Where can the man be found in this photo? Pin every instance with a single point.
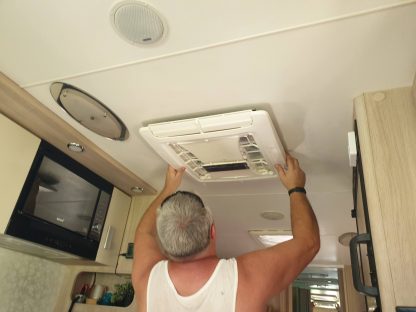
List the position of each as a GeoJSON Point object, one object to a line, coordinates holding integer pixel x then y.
{"type": "Point", "coordinates": [188, 276]}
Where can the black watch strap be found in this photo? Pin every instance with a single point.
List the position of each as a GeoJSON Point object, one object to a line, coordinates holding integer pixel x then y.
{"type": "Point", "coordinates": [297, 189]}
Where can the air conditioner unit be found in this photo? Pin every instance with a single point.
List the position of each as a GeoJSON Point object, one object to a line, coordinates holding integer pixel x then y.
{"type": "Point", "coordinates": [233, 146]}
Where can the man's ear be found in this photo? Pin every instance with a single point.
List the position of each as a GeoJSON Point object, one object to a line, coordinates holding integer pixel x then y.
{"type": "Point", "coordinates": [212, 232]}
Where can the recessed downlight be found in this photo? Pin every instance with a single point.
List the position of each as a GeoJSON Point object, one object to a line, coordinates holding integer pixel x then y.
{"type": "Point", "coordinates": [75, 147]}
{"type": "Point", "coordinates": [272, 215]}
{"type": "Point", "coordinates": [137, 189]}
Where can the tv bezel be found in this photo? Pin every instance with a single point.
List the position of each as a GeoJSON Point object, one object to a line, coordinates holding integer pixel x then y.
{"type": "Point", "coordinates": [37, 230]}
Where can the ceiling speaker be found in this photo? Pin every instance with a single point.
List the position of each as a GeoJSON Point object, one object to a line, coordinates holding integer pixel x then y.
{"type": "Point", "coordinates": [137, 22]}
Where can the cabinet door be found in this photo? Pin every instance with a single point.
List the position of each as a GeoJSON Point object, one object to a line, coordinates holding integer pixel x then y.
{"type": "Point", "coordinates": [138, 207]}
{"type": "Point", "coordinates": [392, 119]}
{"type": "Point", "coordinates": [114, 226]}
{"type": "Point", "coordinates": [387, 122]}
{"type": "Point", "coordinates": [19, 147]}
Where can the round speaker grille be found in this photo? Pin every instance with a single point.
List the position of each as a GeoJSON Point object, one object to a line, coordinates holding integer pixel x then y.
{"type": "Point", "coordinates": [137, 22]}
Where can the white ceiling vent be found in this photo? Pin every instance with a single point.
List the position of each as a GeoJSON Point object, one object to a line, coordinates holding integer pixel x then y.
{"type": "Point", "coordinates": [242, 145]}
{"type": "Point", "coordinates": [137, 22]}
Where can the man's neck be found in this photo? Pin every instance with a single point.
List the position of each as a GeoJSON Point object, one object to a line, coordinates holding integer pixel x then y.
{"type": "Point", "coordinates": [207, 253]}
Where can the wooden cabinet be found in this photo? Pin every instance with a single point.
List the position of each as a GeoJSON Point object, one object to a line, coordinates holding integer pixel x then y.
{"type": "Point", "coordinates": [139, 205]}
{"type": "Point", "coordinates": [387, 129]}
{"type": "Point", "coordinates": [18, 149]}
{"type": "Point", "coordinates": [113, 231]}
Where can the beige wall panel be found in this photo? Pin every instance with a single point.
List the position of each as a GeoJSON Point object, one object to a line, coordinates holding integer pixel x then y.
{"type": "Point", "coordinates": [373, 201]}
{"type": "Point", "coordinates": [354, 301]}
{"type": "Point", "coordinates": [18, 150]}
{"type": "Point", "coordinates": [139, 205]}
{"type": "Point", "coordinates": [414, 90]}
{"type": "Point", "coordinates": [114, 227]}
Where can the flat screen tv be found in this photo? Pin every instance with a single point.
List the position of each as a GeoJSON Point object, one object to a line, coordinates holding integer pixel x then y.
{"type": "Point", "coordinates": [62, 204]}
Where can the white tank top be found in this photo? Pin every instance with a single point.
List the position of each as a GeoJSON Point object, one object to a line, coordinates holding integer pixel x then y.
{"type": "Point", "coordinates": [218, 293]}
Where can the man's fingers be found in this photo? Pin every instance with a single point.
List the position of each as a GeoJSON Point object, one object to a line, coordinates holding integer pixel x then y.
{"type": "Point", "coordinates": [173, 173]}
{"type": "Point", "coordinates": [180, 171]}
{"type": "Point", "coordinates": [290, 161]}
{"type": "Point", "coordinates": [296, 162]}
{"type": "Point", "coordinates": [280, 170]}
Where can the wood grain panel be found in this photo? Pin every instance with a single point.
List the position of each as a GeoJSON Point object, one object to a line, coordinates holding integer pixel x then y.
{"type": "Point", "coordinates": [414, 90]}
{"type": "Point", "coordinates": [342, 294]}
{"type": "Point", "coordinates": [392, 123]}
{"type": "Point", "coordinates": [28, 112]}
{"type": "Point", "coordinates": [377, 231]}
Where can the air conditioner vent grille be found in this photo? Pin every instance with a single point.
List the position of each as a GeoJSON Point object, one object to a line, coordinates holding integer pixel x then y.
{"type": "Point", "coordinates": [241, 145]}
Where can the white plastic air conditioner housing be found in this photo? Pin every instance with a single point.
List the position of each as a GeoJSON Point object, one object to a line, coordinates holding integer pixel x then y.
{"type": "Point", "coordinates": [233, 146]}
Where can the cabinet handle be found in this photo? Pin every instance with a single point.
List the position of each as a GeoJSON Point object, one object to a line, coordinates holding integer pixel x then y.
{"type": "Point", "coordinates": [355, 264]}
{"type": "Point", "coordinates": [108, 237]}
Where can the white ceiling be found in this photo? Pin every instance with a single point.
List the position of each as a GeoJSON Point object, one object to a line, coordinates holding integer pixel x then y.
{"type": "Point", "coordinates": [302, 61]}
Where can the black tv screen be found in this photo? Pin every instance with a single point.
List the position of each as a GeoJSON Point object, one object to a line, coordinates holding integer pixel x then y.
{"type": "Point", "coordinates": [62, 204]}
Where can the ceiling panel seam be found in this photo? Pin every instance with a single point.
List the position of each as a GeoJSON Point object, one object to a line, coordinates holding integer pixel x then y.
{"type": "Point", "coordinates": [223, 43]}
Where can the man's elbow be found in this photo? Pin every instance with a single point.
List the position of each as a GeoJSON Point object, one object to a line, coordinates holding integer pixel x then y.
{"type": "Point", "coordinates": [312, 246]}
{"type": "Point", "coordinates": [315, 245]}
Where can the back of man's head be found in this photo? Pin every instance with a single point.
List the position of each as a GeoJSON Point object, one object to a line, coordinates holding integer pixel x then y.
{"type": "Point", "coordinates": [183, 225]}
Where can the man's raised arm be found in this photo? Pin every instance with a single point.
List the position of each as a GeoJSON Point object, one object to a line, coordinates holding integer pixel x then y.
{"type": "Point", "coordinates": [146, 249]}
{"type": "Point", "coordinates": [266, 272]}
{"type": "Point", "coordinates": [304, 225]}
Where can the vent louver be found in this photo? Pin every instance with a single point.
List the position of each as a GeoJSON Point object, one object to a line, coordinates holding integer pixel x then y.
{"type": "Point", "coordinates": [242, 145]}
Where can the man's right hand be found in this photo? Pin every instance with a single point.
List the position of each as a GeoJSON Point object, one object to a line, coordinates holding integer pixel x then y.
{"type": "Point", "coordinates": [173, 180]}
{"type": "Point", "coordinates": [293, 176]}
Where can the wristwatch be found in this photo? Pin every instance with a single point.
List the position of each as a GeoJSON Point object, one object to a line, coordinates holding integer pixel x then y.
{"type": "Point", "coordinates": [297, 189]}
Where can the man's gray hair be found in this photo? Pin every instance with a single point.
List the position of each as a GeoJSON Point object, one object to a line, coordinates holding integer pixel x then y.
{"type": "Point", "coordinates": [183, 225]}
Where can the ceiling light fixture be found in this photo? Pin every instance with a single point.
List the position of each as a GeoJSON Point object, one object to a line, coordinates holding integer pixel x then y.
{"type": "Point", "coordinates": [75, 147]}
{"type": "Point", "coordinates": [272, 215]}
{"type": "Point", "coordinates": [137, 189]}
{"type": "Point", "coordinates": [89, 111]}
